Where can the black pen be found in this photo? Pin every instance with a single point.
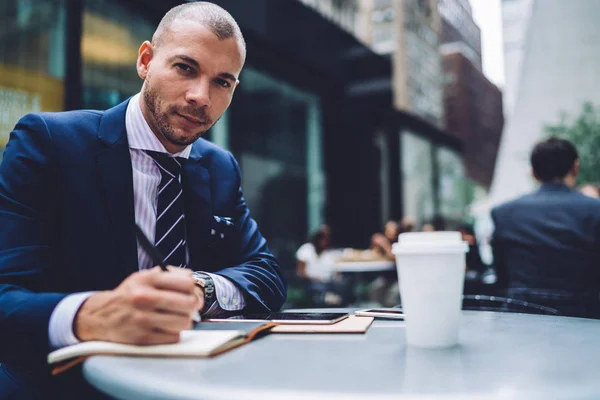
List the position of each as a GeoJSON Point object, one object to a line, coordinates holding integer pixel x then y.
{"type": "Point", "coordinates": [157, 258]}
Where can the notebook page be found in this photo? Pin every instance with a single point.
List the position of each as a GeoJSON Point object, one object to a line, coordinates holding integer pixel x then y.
{"type": "Point", "coordinates": [192, 343]}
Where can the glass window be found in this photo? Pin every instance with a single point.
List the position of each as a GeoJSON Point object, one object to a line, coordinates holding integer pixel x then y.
{"type": "Point", "coordinates": [32, 60]}
{"type": "Point", "coordinates": [112, 35]}
{"type": "Point", "coordinates": [452, 185]}
{"type": "Point", "coordinates": [275, 133]}
{"type": "Point", "coordinates": [417, 177]}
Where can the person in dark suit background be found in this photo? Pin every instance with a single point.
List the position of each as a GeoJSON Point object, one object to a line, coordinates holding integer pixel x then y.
{"type": "Point", "coordinates": [475, 266]}
{"type": "Point", "coordinates": [73, 186]}
{"type": "Point", "coordinates": [546, 244]}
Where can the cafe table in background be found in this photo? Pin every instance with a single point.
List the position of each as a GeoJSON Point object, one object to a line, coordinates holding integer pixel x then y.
{"type": "Point", "coordinates": [361, 267]}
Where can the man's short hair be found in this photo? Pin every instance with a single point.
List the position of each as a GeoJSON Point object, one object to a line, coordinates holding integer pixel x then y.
{"type": "Point", "coordinates": [213, 17]}
{"type": "Point", "coordinates": [553, 158]}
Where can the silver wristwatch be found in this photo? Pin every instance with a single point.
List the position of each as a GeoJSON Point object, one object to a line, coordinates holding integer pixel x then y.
{"type": "Point", "coordinates": [204, 280]}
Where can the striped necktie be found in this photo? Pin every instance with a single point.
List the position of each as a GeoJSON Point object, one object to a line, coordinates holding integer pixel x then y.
{"type": "Point", "coordinates": [169, 237]}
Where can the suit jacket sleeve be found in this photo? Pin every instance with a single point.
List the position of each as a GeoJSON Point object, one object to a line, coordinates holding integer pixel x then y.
{"type": "Point", "coordinates": [27, 242]}
{"type": "Point", "coordinates": [256, 271]}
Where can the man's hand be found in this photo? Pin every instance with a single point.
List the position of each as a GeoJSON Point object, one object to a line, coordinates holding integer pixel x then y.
{"type": "Point", "coordinates": [149, 307]}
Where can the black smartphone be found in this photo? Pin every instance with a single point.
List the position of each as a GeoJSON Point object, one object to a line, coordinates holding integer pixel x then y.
{"type": "Point", "coordinates": [389, 313]}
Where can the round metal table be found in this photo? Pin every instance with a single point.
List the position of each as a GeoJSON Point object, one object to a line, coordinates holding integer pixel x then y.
{"type": "Point", "coordinates": [501, 356]}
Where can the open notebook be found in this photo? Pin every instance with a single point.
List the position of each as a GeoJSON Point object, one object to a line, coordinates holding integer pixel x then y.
{"type": "Point", "coordinates": [206, 340]}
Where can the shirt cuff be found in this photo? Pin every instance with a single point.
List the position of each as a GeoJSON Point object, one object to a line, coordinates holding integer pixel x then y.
{"type": "Point", "coordinates": [60, 327]}
{"type": "Point", "coordinates": [229, 297]}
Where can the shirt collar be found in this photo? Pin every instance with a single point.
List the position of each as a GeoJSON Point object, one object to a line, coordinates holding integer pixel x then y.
{"type": "Point", "coordinates": [139, 134]}
{"type": "Point", "coordinates": [554, 186]}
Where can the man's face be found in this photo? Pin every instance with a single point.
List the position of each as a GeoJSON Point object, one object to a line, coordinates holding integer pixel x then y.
{"type": "Point", "coordinates": [189, 80]}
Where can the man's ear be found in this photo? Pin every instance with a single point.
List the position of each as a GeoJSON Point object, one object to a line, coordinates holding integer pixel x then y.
{"type": "Point", "coordinates": [145, 54]}
{"type": "Point", "coordinates": [575, 169]}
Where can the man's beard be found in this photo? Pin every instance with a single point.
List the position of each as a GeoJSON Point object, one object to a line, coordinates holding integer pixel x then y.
{"type": "Point", "coordinates": [153, 103]}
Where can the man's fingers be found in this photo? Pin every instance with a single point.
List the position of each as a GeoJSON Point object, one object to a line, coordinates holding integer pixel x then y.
{"type": "Point", "coordinates": [177, 303]}
{"type": "Point", "coordinates": [150, 299]}
{"type": "Point", "coordinates": [178, 280]}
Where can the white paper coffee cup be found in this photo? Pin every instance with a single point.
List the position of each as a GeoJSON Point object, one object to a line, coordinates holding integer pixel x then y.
{"type": "Point", "coordinates": [431, 271]}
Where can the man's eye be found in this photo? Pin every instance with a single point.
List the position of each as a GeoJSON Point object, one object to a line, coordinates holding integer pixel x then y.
{"type": "Point", "coordinates": [184, 67]}
{"type": "Point", "coordinates": [223, 82]}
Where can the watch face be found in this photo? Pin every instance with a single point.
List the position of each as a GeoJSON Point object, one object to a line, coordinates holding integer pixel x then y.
{"type": "Point", "coordinates": [200, 282]}
{"type": "Point", "coordinates": [205, 283]}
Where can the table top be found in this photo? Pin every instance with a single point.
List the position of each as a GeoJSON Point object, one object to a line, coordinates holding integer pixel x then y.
{"type": "Point", "coordinates": [364, 266]}
{"type": "Point", "coordinates": [500, 356]}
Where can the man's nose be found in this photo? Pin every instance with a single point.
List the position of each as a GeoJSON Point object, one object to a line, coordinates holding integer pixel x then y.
{"type": "Point", "coordinates": [199, 93]}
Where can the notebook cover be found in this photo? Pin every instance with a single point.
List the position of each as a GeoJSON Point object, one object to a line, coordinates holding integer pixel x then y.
{"type": "Point", "coordinates": [250, 334]}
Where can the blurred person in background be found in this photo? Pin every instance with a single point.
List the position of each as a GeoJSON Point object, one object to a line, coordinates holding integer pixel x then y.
{"type": "Point", "coordinates": [314, 258]}
{"type": "Point", "coordinates": [384, 289]}
{"type": "Point", "coordinates": [437, 224]}
{"type": "Point", "coordinates": [407, 224]}
{"type": "Point", "coordinates": [590, 190]}
{"type": "Point", "coordinates": [381, 243]}
{"type": "Point", "coordinates": [546, 244]}
{"type": "Point", "coordinates": [314, 264]}
{"type": "Point", "coordinates": [474, 265]}
{"type": "Point", "coordinates": [427, 228]}
{"type": "Point", "coordinates": [473, 257]}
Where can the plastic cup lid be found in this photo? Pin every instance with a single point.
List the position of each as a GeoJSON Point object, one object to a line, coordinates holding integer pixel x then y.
{"type": "Point", "coordinates": [429, 242]}
{"type": "Point", "coordinates": [430, 237]}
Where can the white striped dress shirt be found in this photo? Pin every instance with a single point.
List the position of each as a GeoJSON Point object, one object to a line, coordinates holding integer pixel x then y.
{"type": "Point", "coordinates": [146, 178]}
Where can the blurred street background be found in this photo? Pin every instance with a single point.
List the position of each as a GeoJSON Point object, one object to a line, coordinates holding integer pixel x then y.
{"type": "Point", "coordinates": [350, 113]}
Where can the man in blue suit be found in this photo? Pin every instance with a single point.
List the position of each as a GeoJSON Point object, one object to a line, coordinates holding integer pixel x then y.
{"type": "Point", "coordinates": [74, 185]}
{"type": "Point", "coordinates": [547, 244]}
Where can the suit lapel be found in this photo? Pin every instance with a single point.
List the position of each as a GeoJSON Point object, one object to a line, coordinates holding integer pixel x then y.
{"type": "Point", "coordinates": [198, 209]}
{"type": "Point", "coordinates": [116, 178]}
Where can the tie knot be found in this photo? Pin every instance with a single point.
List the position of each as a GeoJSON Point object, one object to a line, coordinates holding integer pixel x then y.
{"type": "Point", "coordinates": [170, 166]}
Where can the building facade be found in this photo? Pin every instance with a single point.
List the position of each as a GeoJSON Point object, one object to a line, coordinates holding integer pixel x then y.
{"type": "Point", "coordinates": [551, 68]}
{"type": "Point", "coordinates": [406, 31]}
{"type": "Point", "coordinates": [460, 33]}
{"type": "Point", "coordinates": [417, 62]}
{"type": "Point", "coordinates": [473, 109]}
{"type": "Point", "coordinates": [474, 114]}
{"type": "Point", "coordinates": [344, 13]}
{"type": "Point", "coordinates": [421, 171]}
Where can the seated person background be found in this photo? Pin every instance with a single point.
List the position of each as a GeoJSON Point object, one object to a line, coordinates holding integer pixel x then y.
{"type": "Point", "coordinates": [547, 244]}
{"type": "Point", "coordinates": [384, 289]}
{"type": "Point", "coordinates": [474, 265]}
{"type": "Point", "coordinates": [474, 262]}
{"type": "Point", "coordinates": [381, 243]}
{"type": "Point", "coordinates": [407, 224]}
{"type": "Point", "coordinates": [437, 224]}
{"type": "Point", "coordinates": [315, 261]}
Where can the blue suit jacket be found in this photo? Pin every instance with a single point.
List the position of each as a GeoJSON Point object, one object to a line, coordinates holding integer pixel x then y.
{"type": "Point", "coordinates": [548, 240]}
{"type": "Point", "coordinates": [67, 218]}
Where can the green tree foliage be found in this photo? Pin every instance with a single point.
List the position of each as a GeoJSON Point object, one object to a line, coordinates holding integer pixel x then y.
{"type": "Point", "coordinates": [584, 132]}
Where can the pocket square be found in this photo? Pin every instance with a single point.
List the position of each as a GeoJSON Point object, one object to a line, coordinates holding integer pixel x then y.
{"type": "Point", "coordinates": [221, 226]}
